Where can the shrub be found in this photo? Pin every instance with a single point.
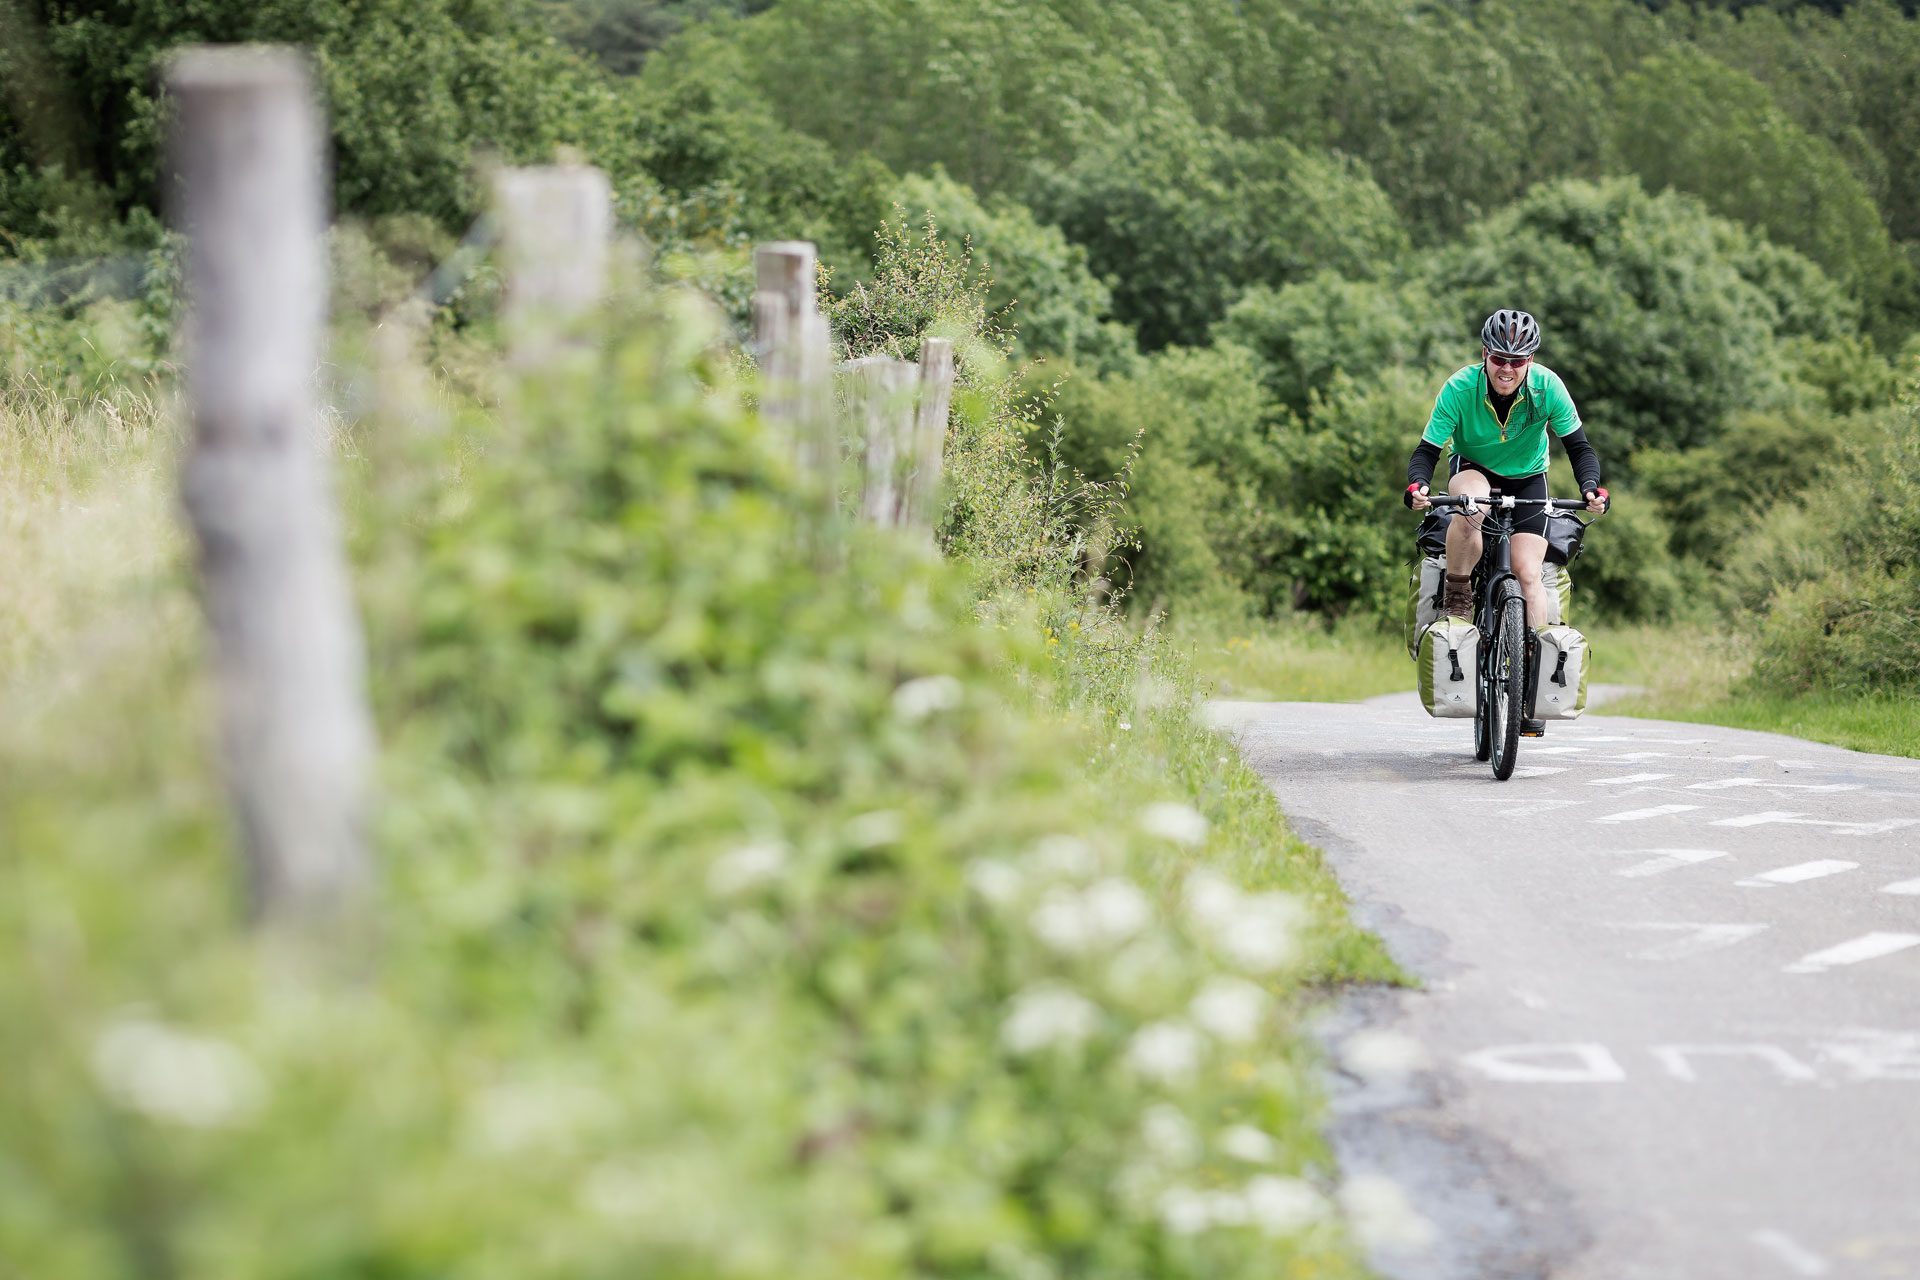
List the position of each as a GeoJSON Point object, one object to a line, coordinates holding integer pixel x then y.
{"type": "Point", "coordinates": [737, 919]}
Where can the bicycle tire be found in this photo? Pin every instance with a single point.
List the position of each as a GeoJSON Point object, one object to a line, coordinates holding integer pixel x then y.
{"type": "Point", "coordinates": [1482, 740]}
{"type": "Point", "coordinates": [1508, 699]}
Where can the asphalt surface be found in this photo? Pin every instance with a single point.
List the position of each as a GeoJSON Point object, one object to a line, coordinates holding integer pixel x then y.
{"type": "Point", "coordinates": [1670, 1024]}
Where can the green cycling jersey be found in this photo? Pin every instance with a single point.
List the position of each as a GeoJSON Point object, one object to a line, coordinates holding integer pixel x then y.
{"type": "Point", "coordinates": [1463, 416]}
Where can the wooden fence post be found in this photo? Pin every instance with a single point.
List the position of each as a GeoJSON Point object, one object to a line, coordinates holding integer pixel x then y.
{"type": "Point", "coordinates": [287, 650]}
{"type": "Point", "coordinates": [556, 236]}
{"type": "Point", "coordinates": [930, 431]}
{"type": "Point", "coordinates": [881, 393]}
{"type": "Point", "coordinates": [792, 344]}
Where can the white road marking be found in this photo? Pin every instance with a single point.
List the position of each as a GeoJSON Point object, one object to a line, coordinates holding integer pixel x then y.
{"type": "Point", "coordinates": [1674, 1058]}
{"type": "Point", "coordinates": [1727, 784]}
{"type": "Point", "coordinates": [1793, 817]}
{"type": "Point", "coordinates": [1795, 1256]}
{"type": "Point", "coordinates": [1670, 859]}
{"type": "Point", "coordinates": [1760, 819]}
{"type": "Point", "coordinates": [1868, 946]}
{"type": "Point", "coordinates": [1631, 756]}
{"type": "Point", "coordinates": [1538, 770]}
{"type": "Point", "coordinates": [1871, 828]}
{"type": "Point", "coordinates": [1908, 887]}
{"type": "Point", "coordinates": [1535, 1064]}
{"type": "Point", "coordinates": [1798, 872]}
{"type": "Point", "coordinates": [1739, 759]}
{"type": "Point", "coordinates": [1641, 815]}
{"type": "Point", "coordinates": [1626, 779]}
{"type": "Point", "coordinates": [1699, 938]}
{"type": "Point", "coordinates": [1556, 751]}
{"type": "Point", "coordinates": [1869, 1054]}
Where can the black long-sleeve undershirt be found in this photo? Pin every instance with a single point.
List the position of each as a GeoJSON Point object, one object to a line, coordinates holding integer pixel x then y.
{"type": "Point", "coordinates": [1580, 452]}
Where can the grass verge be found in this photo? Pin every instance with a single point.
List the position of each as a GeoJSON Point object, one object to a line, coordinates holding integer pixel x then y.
{"type": "Point", "coordinates": [1294, 660]}
{"type": "Point", "coordinates": [1700, 676]}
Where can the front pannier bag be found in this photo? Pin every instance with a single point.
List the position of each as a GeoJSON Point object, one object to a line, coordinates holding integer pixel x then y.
{"type": "Point", "coordinates": [1560, 678]}
{"type": "Point", "coordinates": [1424, 587]}
{"type": "Point", "coordinates": [1448, 651]}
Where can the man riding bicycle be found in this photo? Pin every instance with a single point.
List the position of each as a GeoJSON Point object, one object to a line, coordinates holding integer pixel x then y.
{"type": "Point", "coordinates": [1497, 414]}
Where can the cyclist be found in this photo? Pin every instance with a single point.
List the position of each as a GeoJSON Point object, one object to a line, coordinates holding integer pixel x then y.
{"type": "Point", "coordinates": [1497, 414]}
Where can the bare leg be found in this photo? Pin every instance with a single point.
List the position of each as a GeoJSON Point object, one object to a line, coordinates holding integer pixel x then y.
{"type": "Point", "coordinates": [1529, 554]}
{"type": "Point", "coordinates": [1463, 533]}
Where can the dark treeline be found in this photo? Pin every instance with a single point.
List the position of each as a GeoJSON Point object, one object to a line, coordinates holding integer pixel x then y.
{"type": "Point", "coordinates": [1246, 240]}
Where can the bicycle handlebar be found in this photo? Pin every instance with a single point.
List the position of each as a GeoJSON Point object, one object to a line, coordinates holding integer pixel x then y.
{"type": "Point", "coordinates": [1503, 502]}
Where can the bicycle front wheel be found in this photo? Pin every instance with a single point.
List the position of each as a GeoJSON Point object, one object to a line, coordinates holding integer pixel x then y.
{"type": "Point", "coordinates": [1508, 700]}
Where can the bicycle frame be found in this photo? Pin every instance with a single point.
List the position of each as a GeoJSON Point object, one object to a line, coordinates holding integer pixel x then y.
{"type": "Point", "coordinates": [1497, 588]}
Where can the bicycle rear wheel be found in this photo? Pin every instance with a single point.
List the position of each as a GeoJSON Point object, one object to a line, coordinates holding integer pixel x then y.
{"type": "Point", "coordinates": [1508, 701]}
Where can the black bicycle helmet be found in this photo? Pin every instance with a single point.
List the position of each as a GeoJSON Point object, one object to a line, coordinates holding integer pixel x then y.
{"type": "Point", "coordinates": [1510, 333]}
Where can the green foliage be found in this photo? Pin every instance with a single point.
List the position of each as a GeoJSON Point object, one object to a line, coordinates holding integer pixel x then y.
{"type": "Point", "coordinates": [1188, 431]}
{"type": "Point", "coordinates": [1038, 284]}
{"type": "Point", "coordinates": [1645, 309]}
{"type": "Point", "coordinates": [1308, 333]}
{"type": "Point", "coordinates": [1181, 218]}
{"type": "Point", "coordinates": [745, 913]}
{"type": "Point", "coordinates": [1687, 121]}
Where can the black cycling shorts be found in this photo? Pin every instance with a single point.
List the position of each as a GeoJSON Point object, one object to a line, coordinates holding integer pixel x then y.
{"type": "Point", "coordinates": [1525, 519]}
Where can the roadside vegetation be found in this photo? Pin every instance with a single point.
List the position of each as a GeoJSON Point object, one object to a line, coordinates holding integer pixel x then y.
{"type": "Point", "coordinates": [748, 913]}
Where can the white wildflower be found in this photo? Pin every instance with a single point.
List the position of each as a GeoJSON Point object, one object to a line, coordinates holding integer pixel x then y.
{"type": "Point", "coordinates": [1212, 900]}
{"type": "Point", "coordinates": [174, 1076]}
{"type": "Point", "coordinates": [996, 881]}
{"type": "Point", "coordinates": [920, 698]}
{"type": "Point", "coordinates": [1168, 1134]}
{"type": "Point", "coordinates": [1383, 1057]}
{"type": "Point", "coordinates": [1230, 1009]}
{"type": "Point", "coordinates": [1166, 1051]}
{"type": "Point", "coordinates": [1244, 1142]}
{"type": "Point", "coordinates": [747, 867]}
{"type": "Point", "coordinates": [534, 1115]}
{"type": "Point", "coordinates": [1126, 726]}
{"type": "Point", "coordinates": [1284, 1206]}
{"type": "Point", "coordinates": [1046, 1015]}
{"type": "Point", "coordinates": [1063, 922]}
{"type": "Point", "coordinates": [1185, 1211]}
{"type": "Point", "coordinates": [1382, 1216]}
{"type": "Point", "coordinates": [617, 1190]}
{"type": "Point", "coordinates": [872, 830]}
{"type": "Point", "coordinates": [1117, 908]}
{"type": "Point", "coordinates": [1181, 823]}
{"type": "Point", "coordinates": [1068, 857]}
{"type": "Point", "coordinates": [1260, 933]}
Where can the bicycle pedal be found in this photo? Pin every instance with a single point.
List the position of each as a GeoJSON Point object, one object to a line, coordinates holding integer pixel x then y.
{"type": "Point", "coordinates": [1533, 728]}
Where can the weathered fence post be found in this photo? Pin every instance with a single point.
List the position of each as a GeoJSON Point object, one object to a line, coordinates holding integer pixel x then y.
{"type": "Point", "coordinates": [881, 393]}
{"type": "Point", "coordinates": [289, 664]}
{"type": "Point", "coordinates": [792, 344]}
{"type": "Point", "coordinates": [556, 236]}
{"type": "Point", "coordinates": [930, 431]}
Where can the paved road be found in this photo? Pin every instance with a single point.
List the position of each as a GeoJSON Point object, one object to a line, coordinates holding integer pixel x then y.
{"type": "Point", "coordinates": [1671, 1020]}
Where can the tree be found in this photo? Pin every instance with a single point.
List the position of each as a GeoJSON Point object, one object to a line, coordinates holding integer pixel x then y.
{"type": "Point", "coordinates": [1646, 302]}
{"type": "Point", "coordinates": [1687, 121]}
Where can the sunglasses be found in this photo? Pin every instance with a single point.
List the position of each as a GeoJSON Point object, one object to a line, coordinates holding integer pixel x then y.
{"type": "Point", "coordinates": [1507, 362]}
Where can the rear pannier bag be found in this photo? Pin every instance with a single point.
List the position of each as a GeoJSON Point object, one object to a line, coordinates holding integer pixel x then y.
{"type": "Point", "coordinates": [1425, 584]}
{"type": "Point", "coordinates": [1445, 662]}
{"type": "Point", "coordinates": [1559, 585]}
{"type": "Point", "coordinates": [1560, 679]}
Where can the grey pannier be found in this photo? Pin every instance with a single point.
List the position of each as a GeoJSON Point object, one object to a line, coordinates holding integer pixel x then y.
{"type": "Point", "coordinates": [1445, 662]}
{"type": "Point", "coordinates": [1560, 677]}
{"type": "Point", "coordinates": [1425, 584]}
{"type": "Point", "coordinates": [1559, 585]}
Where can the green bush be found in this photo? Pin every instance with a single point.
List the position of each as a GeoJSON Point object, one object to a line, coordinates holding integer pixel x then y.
{"type": "Point", "coordinates": [740, 916]}
{"type": "Point", "coordinates": [1644, 302]}
{"type": "Point", "coordinates": [1310, 332]}
{"type": "Point", "coordinates": [1039, 287]}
